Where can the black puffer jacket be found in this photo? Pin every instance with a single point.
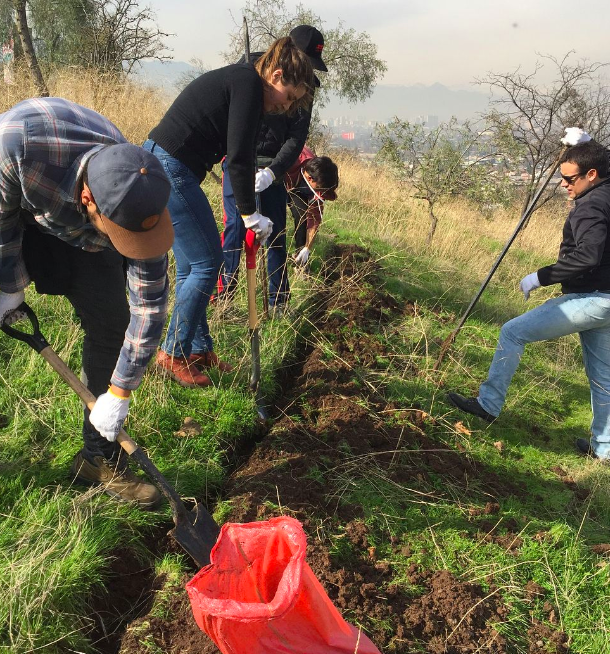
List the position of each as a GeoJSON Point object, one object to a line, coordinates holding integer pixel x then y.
{"type": "Point", "coordinates": [280, 141]}
{"type": "Point", "coordinates": [583, 265]}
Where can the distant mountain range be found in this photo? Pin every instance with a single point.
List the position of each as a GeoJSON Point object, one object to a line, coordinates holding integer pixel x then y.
{"type": "Point", "coordinates": [410, 102]}
{"type": "Point", "coordinates": [387, 101]}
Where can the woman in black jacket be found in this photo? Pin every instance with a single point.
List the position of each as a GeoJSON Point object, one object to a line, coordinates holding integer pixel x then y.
{"type": "Point", "coordinates": [216, 115]}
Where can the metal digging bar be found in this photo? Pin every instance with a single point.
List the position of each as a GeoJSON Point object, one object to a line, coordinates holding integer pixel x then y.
{"type": "Point", "coordinates": [195, 531]}
{"type": "Point", "coordinates": [526, 214]}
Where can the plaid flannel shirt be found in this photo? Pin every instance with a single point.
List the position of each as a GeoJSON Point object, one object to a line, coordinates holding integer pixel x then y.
{"type": "Point", "coordinates": [45, 144]}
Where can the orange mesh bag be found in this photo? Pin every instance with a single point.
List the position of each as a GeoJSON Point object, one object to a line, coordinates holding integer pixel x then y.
{"type": "Point", "coordinates": [259, 596]}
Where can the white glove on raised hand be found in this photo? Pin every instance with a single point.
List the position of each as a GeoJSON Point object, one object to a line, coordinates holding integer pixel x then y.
{"type": "Point", "coordinates": [302, 257]}
{"type": "Point", "coordinates": [9, 302]}
{"type": "Point", "coordinates": [574, 136]}
{"type": "Point", "coordinates": [528, 284]}
{"type": "Point", "coordinates": [264, 179]}
{"type": "Point", "coordinates": [260, 225]}
{"type": "Point", "coordinates": [108, 415]}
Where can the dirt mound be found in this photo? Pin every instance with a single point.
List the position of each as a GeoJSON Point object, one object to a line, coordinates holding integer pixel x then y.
{"type": "Point", "coordinates": [333, 427]}
{"type": "Point", "coordinates": [173, 631]}
{"type": "Point", "coordinates": [451, 613]}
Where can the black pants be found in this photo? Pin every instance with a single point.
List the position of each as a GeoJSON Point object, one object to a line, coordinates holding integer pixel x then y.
{"type": "Point", "coordinates": [298, 209]}
{"type": "Point", "coordinates": [94, 284]}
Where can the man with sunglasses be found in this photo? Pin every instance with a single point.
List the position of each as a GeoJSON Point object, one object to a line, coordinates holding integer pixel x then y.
{"type": "Point", "coordinates": [583, 270]}
{"type": "Point", "coordinates": [310, 183]}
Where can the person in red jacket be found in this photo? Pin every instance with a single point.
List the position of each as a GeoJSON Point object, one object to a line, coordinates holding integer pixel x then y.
{"type": "Point", "coordinates": [310, 183]}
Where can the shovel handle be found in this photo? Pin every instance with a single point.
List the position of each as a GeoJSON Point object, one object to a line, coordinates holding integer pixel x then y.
{"type": "Point", "coordinates": [129, 445]}
{"type": "Point", "coordinates": [195, 533]}
{"type": "Point", "coordinates": [38, 342]}
{"type": "Point", "coordinates": [251, 246]}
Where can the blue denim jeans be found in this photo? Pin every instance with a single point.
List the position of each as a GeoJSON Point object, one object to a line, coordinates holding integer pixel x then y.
{"type": "Point", "coordinates": [273, 205]}
{"type": "Point", "coordinates": [587, 314]}
{"type": "Point", "coordinates": [198, 256]}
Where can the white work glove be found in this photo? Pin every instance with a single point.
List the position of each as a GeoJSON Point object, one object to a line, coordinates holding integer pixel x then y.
{"type": "Point", "coordinates": [574, 136]}
{"type": "Point", "coordinates": [260, 225]}
{"type": "Point", "coordinates": [264, 179]}
{"type": "Point", "coordinates": [9, 302]}
{"type": "Point", "coordinates": [528, 284]}
{"type": "Point", "coordinates": [302, 257]}
{"type": "Point", "coordinates": [108, 415]}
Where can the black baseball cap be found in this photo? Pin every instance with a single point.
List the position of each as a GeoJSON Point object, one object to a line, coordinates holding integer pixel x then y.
{"type": "Point", "coordinates": [311, 42]}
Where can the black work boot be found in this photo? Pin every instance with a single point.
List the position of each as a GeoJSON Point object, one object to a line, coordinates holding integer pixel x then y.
{"type": "Point", "coordinates": [584, 447]}
{"type": "Point", "coordinates": [469, 405]}
{"type": "Point", "coordinates": [117, 480]}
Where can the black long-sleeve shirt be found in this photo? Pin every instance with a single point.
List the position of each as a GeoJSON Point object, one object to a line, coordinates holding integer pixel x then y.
{"type": "Point", "coordinates": [217, 114]}
{"type": "Point", "coordinates": [583, 265]}
{"type": "Point", "coordinates": [281, 137]}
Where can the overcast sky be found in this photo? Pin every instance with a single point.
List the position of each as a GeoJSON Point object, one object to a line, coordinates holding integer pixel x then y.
{"type": "Point", "coordinates": [446, 41]}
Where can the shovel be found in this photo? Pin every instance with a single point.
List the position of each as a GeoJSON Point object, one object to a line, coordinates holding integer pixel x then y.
{"type": "Point", "coordinates": [195, 531]}
{"type": "Point", "coordinates": [251, 247]}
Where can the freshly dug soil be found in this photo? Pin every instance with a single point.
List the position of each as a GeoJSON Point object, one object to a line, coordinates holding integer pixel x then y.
{"type": "Point", "coordinates": [330, 426]}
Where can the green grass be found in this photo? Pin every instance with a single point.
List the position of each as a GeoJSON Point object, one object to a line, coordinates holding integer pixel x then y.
{"type": "Point", "coordinates": [57, 541]}
{"type": "Point", "coordinates": [548, 406]}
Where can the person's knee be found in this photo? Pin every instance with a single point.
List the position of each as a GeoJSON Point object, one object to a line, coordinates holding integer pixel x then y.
{"type": "Point", "coordinates": [515, 331]}
{"type": "Point", "coordinates": [217, 261]}
{"type": "Point", "coordinates": [509, 331]}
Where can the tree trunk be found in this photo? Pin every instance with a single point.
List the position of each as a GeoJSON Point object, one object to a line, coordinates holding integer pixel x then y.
{"type": "Point", "coordinates": [433, 224]}
{"type": "Point", "coordinates": [21, 21]}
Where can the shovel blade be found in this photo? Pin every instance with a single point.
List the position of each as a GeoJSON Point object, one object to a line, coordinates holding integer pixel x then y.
{"type": "Point", "coordinates": [196, 532]}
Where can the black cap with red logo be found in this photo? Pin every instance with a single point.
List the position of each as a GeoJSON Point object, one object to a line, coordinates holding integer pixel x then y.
{"type": "Point", "coordinates": [311, 42]}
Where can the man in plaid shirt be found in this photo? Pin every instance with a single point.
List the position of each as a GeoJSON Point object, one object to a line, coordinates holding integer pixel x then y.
{"type": "Point", "coordinates": [80, 208]}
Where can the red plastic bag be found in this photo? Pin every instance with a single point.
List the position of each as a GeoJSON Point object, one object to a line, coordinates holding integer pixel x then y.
{"type": "Point", "coordinates": [259, 596]}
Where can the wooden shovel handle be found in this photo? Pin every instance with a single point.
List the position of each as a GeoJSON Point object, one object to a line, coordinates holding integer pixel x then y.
{"type": "Point", "coordinates": [83, 392]}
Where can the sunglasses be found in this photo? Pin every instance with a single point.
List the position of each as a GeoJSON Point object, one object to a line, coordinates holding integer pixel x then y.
{"type": "Point", "coordinates": [570, 179]}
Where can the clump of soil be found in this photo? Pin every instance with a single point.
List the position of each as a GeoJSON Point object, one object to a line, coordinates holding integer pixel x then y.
{"type": "Point", "coordinates": [580, 492]}
{"type": "Point", "coordinates": [543, 639]}
{"type": "Point", "coordinates": [174, 631]}
{"type": "Point", "coordinates": [451, 614]}
{"type": "Point", "coordinates": [602, 548]}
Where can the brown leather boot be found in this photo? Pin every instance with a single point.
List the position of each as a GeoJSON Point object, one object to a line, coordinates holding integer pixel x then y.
{"type": "Point", "coordinates": [206, 360]}
{"type": "Point", "coordinates": [183, 371]}
{"type": "Point", "coordinates": [117, 480]}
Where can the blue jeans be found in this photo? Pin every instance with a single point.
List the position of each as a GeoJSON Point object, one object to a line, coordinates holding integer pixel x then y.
{"type": "Point", "coordinates": [273, 205]}
{"type": "Point", "coordinates": [587, 314]}
{"type": "Point", "coordinates": [198, 256]}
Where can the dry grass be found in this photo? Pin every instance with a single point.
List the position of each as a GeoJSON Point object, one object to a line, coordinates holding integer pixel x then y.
{"type": "Point", "coordinates": [390, 212]}
{"type": "Point", "coordinates": [134, 108]}
{"type": "Point", "coordinates": [396, 217]}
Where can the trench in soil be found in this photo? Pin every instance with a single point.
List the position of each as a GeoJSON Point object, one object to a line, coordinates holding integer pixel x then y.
{"type": "Point", "coordinates": [327, 410]}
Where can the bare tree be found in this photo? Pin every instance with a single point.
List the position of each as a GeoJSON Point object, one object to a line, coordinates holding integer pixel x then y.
{"type": "Point", "coordinates": [21, 22]}
{"type": "Point", "coordinates": [120, 34]}
{"type": "Point", "coordinates": [528, 116]}
{"type": "Point", "coordinates": [436, 164]}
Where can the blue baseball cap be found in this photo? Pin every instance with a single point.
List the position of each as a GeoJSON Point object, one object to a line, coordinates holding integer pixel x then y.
{"type": "Point", "coordinates": [131, 191]}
